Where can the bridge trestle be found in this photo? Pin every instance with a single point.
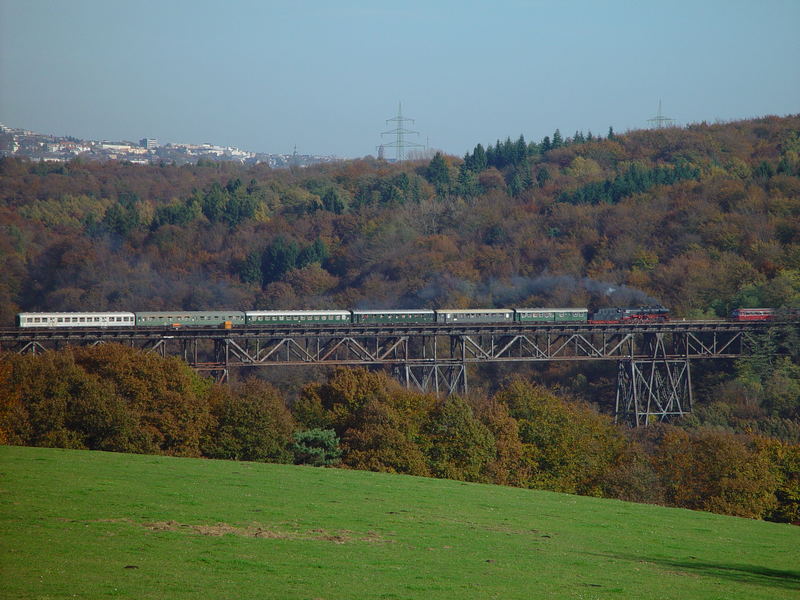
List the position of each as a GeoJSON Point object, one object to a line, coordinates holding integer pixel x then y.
{"type": "Point", "coordinates": [653, 384]}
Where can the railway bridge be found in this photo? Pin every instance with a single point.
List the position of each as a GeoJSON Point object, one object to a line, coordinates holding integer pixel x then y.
{"type": "Point", "coordinates": [653, 382]}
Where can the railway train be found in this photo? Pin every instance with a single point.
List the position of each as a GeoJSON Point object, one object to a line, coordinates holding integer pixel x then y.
{"type": "Point", "coordinates": [231, 318]}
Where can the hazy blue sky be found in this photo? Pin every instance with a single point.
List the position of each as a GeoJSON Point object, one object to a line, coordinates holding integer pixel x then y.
{"type": "Point", "coordinates": [325, 75]}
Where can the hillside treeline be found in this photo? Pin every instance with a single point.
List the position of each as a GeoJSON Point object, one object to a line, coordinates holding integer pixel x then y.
{"type": "Point", "coordinates": [701, 219]}
{"type": "Point", "coordinates": [115, 398]}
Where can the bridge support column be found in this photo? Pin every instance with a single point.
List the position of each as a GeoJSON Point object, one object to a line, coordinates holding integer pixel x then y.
{"type": "Point", "coordinates": [441, 378]}
{"type": "Point", "coordinates": [220, 370]}
{"type": "Point", "coordinates": [651, 391]}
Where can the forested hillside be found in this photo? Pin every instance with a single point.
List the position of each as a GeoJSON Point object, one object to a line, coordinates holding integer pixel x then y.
{"type": "Point", "coordinates": [700, 219]}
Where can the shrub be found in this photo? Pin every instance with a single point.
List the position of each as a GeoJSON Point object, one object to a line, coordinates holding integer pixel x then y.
{"type": "Point", "coordinates": [251, 423]}
{"type": "Point", "coordinates": [316, 447]}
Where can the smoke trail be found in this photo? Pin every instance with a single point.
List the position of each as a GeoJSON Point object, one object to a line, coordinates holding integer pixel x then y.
{"type": "Point", "coordinates": [544, 289]}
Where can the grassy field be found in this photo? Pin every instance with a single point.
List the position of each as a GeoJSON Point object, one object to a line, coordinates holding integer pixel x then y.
{"type": "Point", "coordinates": [97, 525]}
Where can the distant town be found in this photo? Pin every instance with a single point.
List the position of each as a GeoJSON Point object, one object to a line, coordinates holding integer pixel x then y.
{"type": "Point", "coordinates": [50, 148]}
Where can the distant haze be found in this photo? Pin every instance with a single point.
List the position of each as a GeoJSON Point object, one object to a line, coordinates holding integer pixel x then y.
{"type": "Point", "coordinates": [324, 76]}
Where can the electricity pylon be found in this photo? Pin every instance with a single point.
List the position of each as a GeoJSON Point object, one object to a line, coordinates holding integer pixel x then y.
{"type": "Point", "coordinates": [400, 132]}
{"type": "Point", "coordinates": [660, 121]}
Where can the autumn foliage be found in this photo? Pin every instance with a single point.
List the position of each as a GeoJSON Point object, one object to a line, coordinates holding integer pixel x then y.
{"type": "Point", "coordinates": [118, 399]}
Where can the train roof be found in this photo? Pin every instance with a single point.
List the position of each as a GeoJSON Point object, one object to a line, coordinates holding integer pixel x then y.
{"type": "Point", "coordinates": [395, 311]}
{"type": "Point", "coordinates": [552, 309]}
{"type": "Point", "coordinates": [76, 313]}
{"type": "Point", "coordinates": [307, 313]}
{"type": "Point", "coordinates": [460, 311]}
{"type": "Point", "coordinates": [197, 313]}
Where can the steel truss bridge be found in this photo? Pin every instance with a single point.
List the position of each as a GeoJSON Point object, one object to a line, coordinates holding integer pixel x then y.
{"type": "Point", "coordinates": [653, 383]}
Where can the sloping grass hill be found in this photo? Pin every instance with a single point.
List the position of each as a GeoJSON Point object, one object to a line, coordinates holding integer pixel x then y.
{"type": "Point", "coordinates": [96, 525]}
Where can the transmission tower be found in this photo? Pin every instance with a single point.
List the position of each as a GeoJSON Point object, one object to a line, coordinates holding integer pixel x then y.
{"type": "Point", "coordinates": [660, 121]}
{"type": "Point", "coordinates": [400, 132]}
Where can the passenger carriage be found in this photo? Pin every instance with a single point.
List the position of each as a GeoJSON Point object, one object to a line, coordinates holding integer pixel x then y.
{"type": "Point", "coordinates": [76, 319]}
{"type": "Point", "coordinates": [364, 317]}
{"type": "Point", "coordinates": [298, 317]}
{"type": "Point", "coordinates": [551, 315]}
{"type": "Point", "coordinates": [475, 315]}
{"type": "Point", "coordinates": [190, 318]}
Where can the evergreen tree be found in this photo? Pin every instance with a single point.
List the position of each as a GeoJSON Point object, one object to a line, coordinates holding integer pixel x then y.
{"type": "Point", "coordinates": [557, 140]}
{"type": "Point", "coordinates": [233, 185]}
{"type": "Point", "coordinates": [763, 171]}
{"type": "Point", "coordinates": [478, 159]}
{"type": "Point", "coordinates": [250, 270]}
{"type": "Point", "coordinates": [333, 201]}
{"type": "Point", "coordinates": [439, 174]}
{"type": "Point", "coordinates": [468, 186]}
{"type": "Point", "coordinates": [315, 253]}
{"type": "Point", "coordinates": [542, 177]}
{"type": "Point", "coordinates": [520, 150]}
{"type": "Point", "coordinates": [279, 258]}
{"type": "Point", "coordinates": [316, 447]}
{"type": "Point", "coordinates": [515, 186]}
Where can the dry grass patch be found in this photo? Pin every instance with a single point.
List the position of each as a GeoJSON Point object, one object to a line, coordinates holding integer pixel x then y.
{"type": "Point", "coordinates": [257, 530]}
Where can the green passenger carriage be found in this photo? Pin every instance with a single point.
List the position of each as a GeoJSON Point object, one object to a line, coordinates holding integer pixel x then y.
{"type": "Point", "coordinates": [190, 318]}
{"type": "Point", "coordinates": [475, 315]}
{"type": "Point", "coordinates": [365, 317]}
{"type": "Point", "coordinates": [298, 317]}
{"type": "Point", "coordinates": [551, 315]}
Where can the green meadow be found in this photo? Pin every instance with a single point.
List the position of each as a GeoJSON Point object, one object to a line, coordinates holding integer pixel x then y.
{"type": "Point", "coordinates": [80, 524]}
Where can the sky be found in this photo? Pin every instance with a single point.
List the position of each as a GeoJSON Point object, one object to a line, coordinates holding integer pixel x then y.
{"type": "Point", "coordinates": [324, 76]}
